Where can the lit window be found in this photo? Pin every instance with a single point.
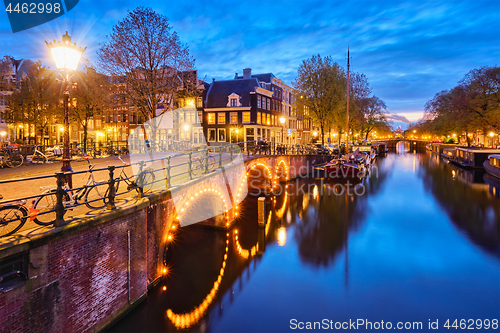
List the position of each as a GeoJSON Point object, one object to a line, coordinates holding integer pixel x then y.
{"type": "Point", "coordinates": [268, 119]}
{"type": "Point", "coordinates": [222, 118]}
{"type": "Point", "coordinates": [234, 117]}
{"type": "Point", "coordinates": [222, 134]}
{"type": "Point", "coordinates": [211, 135]}
{"type": "Point", "coordinates": [258, 117]}
{"type": "Point", "coordinates": [211, 118]}
{"type": "Point", "coordinates": [199, 102]}
{"type": "Point", "coordinates": [246, 117]}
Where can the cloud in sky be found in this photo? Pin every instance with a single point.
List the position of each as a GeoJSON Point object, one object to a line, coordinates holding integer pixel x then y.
{"type": "Point", "coordinates": [409, 50]}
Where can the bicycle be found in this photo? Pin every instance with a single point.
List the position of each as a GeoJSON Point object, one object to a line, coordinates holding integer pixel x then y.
{"type": "Point", "coordinates": [145, 181]}
{"type": "Point", "coordinates": [38, 156]}
{"type": "Point", "coordinates": [12, 217]}
{"type": "Point", "coordinates": [199, 165]}
{"type": "Point", "coordinates": [12, 159]}
{"type": "Point", "coordinates": [92, 193]}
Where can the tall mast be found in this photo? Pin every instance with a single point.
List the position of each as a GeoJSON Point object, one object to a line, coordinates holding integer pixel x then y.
{"type": "Point", "coordinates": [347, 118]}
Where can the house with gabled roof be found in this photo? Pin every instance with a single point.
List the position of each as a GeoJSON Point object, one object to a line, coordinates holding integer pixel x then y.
{"type": "Point", "coordinates": [243, 109]}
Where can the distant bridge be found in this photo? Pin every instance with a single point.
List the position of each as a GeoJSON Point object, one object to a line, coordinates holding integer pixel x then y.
{"type": "Point", "coordinates": [414, 143]}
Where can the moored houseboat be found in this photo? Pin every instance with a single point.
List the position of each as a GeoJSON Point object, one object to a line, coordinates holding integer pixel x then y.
{"type": "Point", "coordinates": [470, 157]}
{"type": "Point", "coordinates": [438, 148]}
{"type": "Point", "coordinates": [381, 147]}
{"type": "Point", "coordinates": [449, 153]}
{"type": "Point", "coordinates": [492, 165]}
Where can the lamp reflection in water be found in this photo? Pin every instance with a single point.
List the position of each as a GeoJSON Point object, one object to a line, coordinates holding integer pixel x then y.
{"type": "Point", "coordinates": [281, 236]}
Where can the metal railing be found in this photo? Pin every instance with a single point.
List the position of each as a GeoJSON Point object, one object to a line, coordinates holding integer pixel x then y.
{"type": "Point", "coordinates": [174, 169]}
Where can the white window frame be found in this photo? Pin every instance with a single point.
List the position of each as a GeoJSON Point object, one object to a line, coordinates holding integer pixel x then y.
{"type": "Point", "coordinates": [208, 134]}
{"type": "Point", "coordinates": [243, 117]}
{"type": "Point", "coordinates": [231, 117]}
{"type": "Point", "coordinates": [219, 131]}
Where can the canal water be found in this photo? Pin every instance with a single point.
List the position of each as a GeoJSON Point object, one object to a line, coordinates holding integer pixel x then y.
{"type": "Point", "coordinates": [414, 245]}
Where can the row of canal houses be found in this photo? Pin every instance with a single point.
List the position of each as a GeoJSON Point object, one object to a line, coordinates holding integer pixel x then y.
{"type": "Point", "coordinates": [250, 107]}
{"type": "Point", "coordinates": [247, 107]}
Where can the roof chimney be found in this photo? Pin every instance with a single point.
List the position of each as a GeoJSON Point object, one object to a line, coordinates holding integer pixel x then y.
{"type": "Point", "coordinates": [235, 75]}
{"type": "Point", "coordinates": [213, 79]}
{"type": "Point", "coordinates": [247, 73]}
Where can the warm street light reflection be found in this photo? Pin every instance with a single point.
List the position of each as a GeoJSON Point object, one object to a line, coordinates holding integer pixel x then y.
{"type": "Point", "coordinates": [187, 320]}
{"type": "Point", "coordinates": [281, 236]}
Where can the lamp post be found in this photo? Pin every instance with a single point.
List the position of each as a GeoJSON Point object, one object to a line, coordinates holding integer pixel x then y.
{"type": "Point", "coordinates": [66, 55]}
{"type": "Point", "coordinates": [282, 121]}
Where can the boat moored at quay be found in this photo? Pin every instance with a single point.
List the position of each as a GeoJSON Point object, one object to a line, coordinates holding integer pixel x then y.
{"type": "Point", "coordinates": [492, 165]}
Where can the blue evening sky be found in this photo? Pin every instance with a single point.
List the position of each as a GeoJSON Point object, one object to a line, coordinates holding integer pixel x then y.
{"type": "Point", "coordinates": [409, 50]}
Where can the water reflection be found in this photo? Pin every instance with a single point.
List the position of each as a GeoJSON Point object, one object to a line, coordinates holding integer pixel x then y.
{"type": "Point", "coordinates": [402, 147]}
{"type": "Point", "coordinates": [466, 198]}
{"type": "Point", "coordinates": [390, 253]}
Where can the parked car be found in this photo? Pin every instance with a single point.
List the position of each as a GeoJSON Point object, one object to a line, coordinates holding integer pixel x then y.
{"type": "Point", "coordinates": [321, 150]}
{"type": "Point", "coordinates": [334, 149]}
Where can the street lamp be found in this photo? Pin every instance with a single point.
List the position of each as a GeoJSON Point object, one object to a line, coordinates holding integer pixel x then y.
{"type": "Point", "coordinates": [282, 121]}
{"type": "Point", "coordinates": [66, 55]}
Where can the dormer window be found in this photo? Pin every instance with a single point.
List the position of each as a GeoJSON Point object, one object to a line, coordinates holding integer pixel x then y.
{"type": "Point", "coordinates": [233, 100]}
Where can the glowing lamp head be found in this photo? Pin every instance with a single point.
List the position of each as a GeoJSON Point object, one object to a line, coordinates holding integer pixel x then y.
{"type": "Point", "coordinates": [315, 133]}
{"type": "Point", "coordinates": [492, 134]}
{"type": "Point", "coordinates": [186, 127]}
{"type": "Point", "coordinates": [282, 120]}
{"type": "Point", "coordinates": [66, 54]}
{"type": "Point", "coordinates": [3, 133]}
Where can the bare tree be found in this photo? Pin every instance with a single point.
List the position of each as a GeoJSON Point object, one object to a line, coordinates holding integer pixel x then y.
{"type": "Point", "coordinates": [36, 102]}
{"type": "Point", "coordinates": [145, 50]}
{"type": "Point", "coordinates": [89, 98]}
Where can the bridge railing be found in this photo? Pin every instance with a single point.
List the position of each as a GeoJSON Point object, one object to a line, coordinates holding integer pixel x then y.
{"type": "Point", "coordinates": [149, 173]}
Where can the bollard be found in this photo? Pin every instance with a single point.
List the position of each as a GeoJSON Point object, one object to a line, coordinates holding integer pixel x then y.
{"type": "Point", "coordinates": [261, 241]}
{"type": "Point", "coordinates": [262, 211]}
{"type": "Point", "coordinates": [59, 207]}
{"type": "Point", "coordinates": [111, 189]}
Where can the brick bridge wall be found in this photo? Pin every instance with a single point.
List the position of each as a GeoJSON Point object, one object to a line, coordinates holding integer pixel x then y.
{"type": "Point", "coordinates": [84, 275]}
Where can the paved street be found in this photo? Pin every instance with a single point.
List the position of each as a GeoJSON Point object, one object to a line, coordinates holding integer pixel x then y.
{"type": "Point", "coordinates": [35, 187]}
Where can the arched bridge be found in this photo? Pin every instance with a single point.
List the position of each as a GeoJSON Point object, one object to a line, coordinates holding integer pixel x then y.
{"type": "Point", "coordinates": [414, 144]}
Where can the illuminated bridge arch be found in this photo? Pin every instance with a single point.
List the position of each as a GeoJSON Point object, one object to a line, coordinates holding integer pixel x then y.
{"type": "Point", "coordinates": [192, 204]}
{"type": "Point", "coordinates": [186, 320]}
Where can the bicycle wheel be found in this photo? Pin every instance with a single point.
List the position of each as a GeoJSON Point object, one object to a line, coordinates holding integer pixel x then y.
{"type": "Point", "coordinates": [95, 198]}
{"type": "Point", "coordinates": [211, 163]}
{"type": "Point", "coordinates": [12, 218]}
{"type": "Point", "coordinates": [45, 209]}
{"type": "Point", "coordinates": [198, 167]}
{"type": "Point", "coordinates": [14, 160]}
{"type": "Point", "coordinates": [146, 181]}
{"type": "Point", "coordinates": [38, 158]}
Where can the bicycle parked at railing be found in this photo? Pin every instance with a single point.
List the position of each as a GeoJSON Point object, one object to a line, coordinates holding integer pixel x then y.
{"type": "Point", "coordinates": [11, 158]}
{"type": "Point", "coordinates": [91, 194]}
{"type": "Point", "coordinates": [38, 156]}
{"type": "Point", "coordinates": [12, 217]}
{"type": "Point", "coordinates": [144, 181]}
{"type": "Point", "coordinates": [199, 165]}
